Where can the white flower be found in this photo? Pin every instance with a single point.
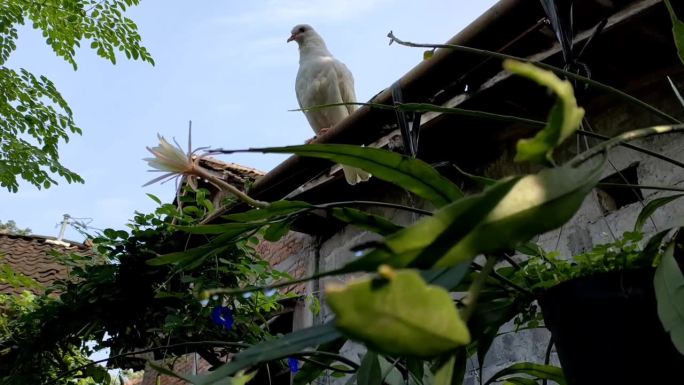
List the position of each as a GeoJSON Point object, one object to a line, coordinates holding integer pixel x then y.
{"type": "Point", "coordinates": [173, 161]}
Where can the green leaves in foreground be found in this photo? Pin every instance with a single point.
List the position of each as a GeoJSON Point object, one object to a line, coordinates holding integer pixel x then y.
{"type": "Point", "coordinates": [506, 214]}
{"type": "Point", "coordinates": [398, 314]}
{"type": "Point", "coordinates": [669, 289]}
{"type": "Point", "coordinates": [677, 30]}
{"type": "Point", "coordinates": [411, 174]}
{"type": "Point", "coordinates": [564, 118]}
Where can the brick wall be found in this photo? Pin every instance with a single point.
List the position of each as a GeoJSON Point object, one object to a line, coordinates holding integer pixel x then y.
{"type": "Point", "coordinates": [188, 364]}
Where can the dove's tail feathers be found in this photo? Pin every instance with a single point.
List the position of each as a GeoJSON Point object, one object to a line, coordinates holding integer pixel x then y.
{"type": "Point", "coordinates": [355, 175]}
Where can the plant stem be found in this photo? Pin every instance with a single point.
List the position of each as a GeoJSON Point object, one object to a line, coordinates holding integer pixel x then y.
{"type": "Point", "coordinates": [476, 287]}
{"type": "Point", "coordinates": [203, 173]}
{"type": "Point", "coordinates": [580, 78]}
{"type": "Point", "coordinates": [645, 187]}
{"type": "Point", "coordinates": [624, 137]}
{"type": "Point", "coordinates": [373, 203]}
{"type": "Point", "coordinates": [635, 148]}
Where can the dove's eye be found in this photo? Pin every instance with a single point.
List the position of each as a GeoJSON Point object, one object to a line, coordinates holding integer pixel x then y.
{"type": "Point", "coordinates": [302, 29]}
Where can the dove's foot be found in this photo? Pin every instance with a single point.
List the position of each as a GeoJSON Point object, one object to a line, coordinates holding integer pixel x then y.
{"type": "Point", "coordinates": [322, 131]}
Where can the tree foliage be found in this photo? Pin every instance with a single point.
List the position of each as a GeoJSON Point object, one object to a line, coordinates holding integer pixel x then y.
{"type": "Point", "coordinates": [120, 302]}
{"type": "Point", "coordinates": [34, 117]}
{"type": "Point", "coordinates": [11, 227]}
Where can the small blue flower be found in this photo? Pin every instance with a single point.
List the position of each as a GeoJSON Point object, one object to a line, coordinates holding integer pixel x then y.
{"type": "Point", "coordinates": [293, 363]}
{"type": "Point", "coordinates": [222, 316]}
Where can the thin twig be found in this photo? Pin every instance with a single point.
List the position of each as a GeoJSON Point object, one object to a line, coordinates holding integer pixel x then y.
{"type": "Point", "coordinates": [624, 137]}
{"type": "Point", "coordinates": [644, 187]}
{"type": "Point", "coordinates": [570, 75]}
{"type": "Point", "coordinates": [634, 147]}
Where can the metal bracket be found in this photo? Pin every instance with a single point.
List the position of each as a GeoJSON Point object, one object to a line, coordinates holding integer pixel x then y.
{"type": "Point", "coordinates": [409, 122]}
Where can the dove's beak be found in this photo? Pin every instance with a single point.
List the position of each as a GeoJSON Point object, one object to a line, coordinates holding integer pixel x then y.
{"type": "Point", "coordinates": [292, 37]}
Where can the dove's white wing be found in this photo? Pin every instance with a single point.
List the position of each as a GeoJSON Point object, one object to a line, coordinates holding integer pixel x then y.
{"type": "Point", "coordinates": [345, 81]}
{"type": "Point", "coordinates": [324, 81]}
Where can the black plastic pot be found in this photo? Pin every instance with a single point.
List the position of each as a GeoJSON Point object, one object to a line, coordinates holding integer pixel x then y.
{"type": "Point", "coordinates": [606, 331]}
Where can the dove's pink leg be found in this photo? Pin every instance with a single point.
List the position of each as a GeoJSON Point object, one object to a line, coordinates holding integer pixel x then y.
{"type": "Point", "coordinates": [322, 131]}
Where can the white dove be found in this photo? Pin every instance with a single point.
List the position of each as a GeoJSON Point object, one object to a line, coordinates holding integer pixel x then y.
{"type": "Point", "coordinates": [322, 79]}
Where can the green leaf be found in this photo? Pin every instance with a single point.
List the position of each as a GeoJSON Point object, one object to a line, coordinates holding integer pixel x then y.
{"type": "Point", "coordinates": [308, 373]}
{"type": "Point", "coordinates": [669, 289]}
{"type": "Point", "coordinates": [389, 373]}
{"type": "Point", "coordinates": [677, 30]}
{"type": "Point", "coordinates": [411, 174]}
{"type": "Point", "coordinates": [520, 381]}
{"type": "Point", "coordinates": [534, 205]}
{"type": "Point", "coordinates": [275, 209]}
{"type": "Point", "coordinates": [270, 351]}
{"type": "Point", "coordinates": [389, 314]}
{"type": "Point", "coordinates": [447, 278]}
{"type": "Point", "coordinates": [564, 119]}
{"type": "Point", "coordinates": [277, 230]}
{"type": "Point", "coordinates": [366, 221]}
{"type": "Point", "coordinates": [650, 208]}
{"type": "Point", "coordinates": [154, 198]}
{"type": "Point", "coordinates": [369, 371]}
{"type": "Point", "coordinates": [654, 245]}
{"type": "Point", "coordinates": [480, 180]}
{"type": "Point", "coordinates": [178, 257]}
{"type": "Point", "coordinates": [508, 213]}
{"type": "Point", "coordinates": [416, 367]}
{"type": "Point", "coordinates": [544, 372]}
{"type": "Point", "coordinates": [452, 371]}
{"type": "Point", "coordinates": [445, 372]}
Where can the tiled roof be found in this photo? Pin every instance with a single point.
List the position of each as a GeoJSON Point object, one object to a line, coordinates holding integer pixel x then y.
{"type": "Point", "coordinates": [31, 255]}
{"type": "Point", "coordinates": [237, 175]}
{"type": "Point", "coordinates": [232, 173]}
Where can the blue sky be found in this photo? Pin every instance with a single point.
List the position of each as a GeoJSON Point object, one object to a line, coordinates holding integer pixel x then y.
{"type": "Point", "coordinates": [223, 65]}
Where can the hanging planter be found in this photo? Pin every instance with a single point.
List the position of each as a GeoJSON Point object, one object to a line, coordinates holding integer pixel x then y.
{"type": "Point", "coordinates": [606, 330]}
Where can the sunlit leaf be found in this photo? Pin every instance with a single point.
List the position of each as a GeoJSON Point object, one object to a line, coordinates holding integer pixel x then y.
{"type": "Point", "coordinates": [534, 205]}
{"type": "Point", "coordinates": [669, 289]}
{"type": "Point", "coordinates": [398, 314]}
{"type": "Point", "coordinates": [503, 216]}
{"type": "Point", "coordinates": [563, 121]}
